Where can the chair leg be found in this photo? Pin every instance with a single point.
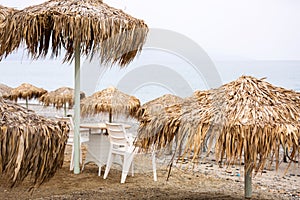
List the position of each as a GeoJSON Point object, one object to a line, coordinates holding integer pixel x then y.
{"type": "Point", "coordinates": [123, 178]}
{"type": "Point", "coordinates": [154, 166]}
{"type": "Point", "coordinates": [128, 158]}
{"type": "Point", "coordinates": [80, 154]}
{"type": "Point", "coordinates": [132, 168]}
{"type": "Point", "coordinates": [99, 170]}
{"type": "Point", "coordinates": [108, 164]}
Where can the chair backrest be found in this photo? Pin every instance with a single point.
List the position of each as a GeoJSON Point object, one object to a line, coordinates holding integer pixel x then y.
{"type": "Point", "coordinates": [117, 134]}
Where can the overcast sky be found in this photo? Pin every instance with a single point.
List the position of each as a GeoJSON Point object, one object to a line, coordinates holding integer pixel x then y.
{"type": "Point", "coordinates": [254, 29]}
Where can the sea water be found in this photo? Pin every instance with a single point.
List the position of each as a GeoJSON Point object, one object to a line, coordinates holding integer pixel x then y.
{"type": "Point", "coordinates": [181, 78]}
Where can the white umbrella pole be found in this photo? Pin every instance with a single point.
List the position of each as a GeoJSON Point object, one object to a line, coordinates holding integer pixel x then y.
{"type": "Point", "coordinates": [77, 112]}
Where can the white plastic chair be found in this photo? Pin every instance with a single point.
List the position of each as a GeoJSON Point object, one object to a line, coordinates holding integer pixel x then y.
{"type": "Point", "coordinates": [83, 138]}
{"type": "Point", "coordinates": [122, 144]}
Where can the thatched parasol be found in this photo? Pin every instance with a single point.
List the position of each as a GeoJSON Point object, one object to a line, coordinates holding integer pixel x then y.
{"type": "Point", "coordinates": [112, 101]}
{"type": "Point", "coordinates": [26, 91]}
{"type": "Point", "coordinates": [249, 118]}
{"type": "Point", "coordinates": [61, 97]}
{"type": "Point", "coordinates": [87, 27]}
{"type": "Point", "coordinates": [4, 90]}
{"type": "Point", "coordinates": [29, 144]}
{"type": "Point", "coordinates": [155, 106]}
{"type": "Point", "coordinates": [91, 24]}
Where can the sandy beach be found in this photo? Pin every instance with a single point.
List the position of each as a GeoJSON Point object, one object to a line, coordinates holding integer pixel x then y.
{"type": "Point", "coordinates": [204, 180]}
{"type": "Point", "coordinates": [232, 119]}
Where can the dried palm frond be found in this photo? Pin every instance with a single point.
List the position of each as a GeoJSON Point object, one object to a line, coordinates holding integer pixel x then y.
{"type": "Point", "coordinates": [30, 144]}
{"type": "Point", "coordinates": [90, 24]}
{"type": "Point", "coordinates": [110, 100]}
{"type": "Point", "coordinates": [155, 106]}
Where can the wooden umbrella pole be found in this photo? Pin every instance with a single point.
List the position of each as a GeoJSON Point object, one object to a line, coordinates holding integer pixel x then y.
{"type": "Point", "coordinates": [26, 103]}
{"type": "Point", "coordinates": [248, 179]}
{"type": "Point", "coordinates": [77, 111]}
{"type": "Point", "coordinates": [110, 116]}
{"type": "Point", "coordinates": [65, 109]}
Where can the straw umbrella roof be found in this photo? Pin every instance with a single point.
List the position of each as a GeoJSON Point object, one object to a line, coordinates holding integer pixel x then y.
{"type": "Point", "coordinates": [155, 106]}
{"type": "Point", "coordinates": [60, 97]}
{"type": "Point", "coordinates": [259, 116]}
{"type": "Point", "coordinates": [92, 24]}
{"type": "Point", "coordinates": [29, 144]}
{"type": "Point", "coordinates": [110, 100]}
{"type": "Point", "coordinates": [249, 119]}
{"type": "Point", "coordinates": [26, 91]}
{"type": "Point", "coordinates": [4, 90]}
{"type": "Point", "coordinates": [247, 116]}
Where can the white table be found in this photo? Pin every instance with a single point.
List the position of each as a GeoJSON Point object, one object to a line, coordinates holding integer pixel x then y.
{"type": "Point", "coordinates": [98, 145]}
{"type": "Point", "coordinates": [97, 150]}
{"type": "Point", "coordinates": [101, 126]}
{"type": "Point", "coordinates": [90, 126]}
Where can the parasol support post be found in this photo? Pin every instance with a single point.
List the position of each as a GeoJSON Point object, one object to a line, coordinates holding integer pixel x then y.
{"type": "Point", "coordinates": [110, 117]}
{"type": "Point", "coordinates": [65, 109]}
{"type": "Point", "coordinates": [248, 181]}
{"type": "Point", "coordinates": [77, 111]}
{"type": "Point", "coordinates": [26, 100]}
